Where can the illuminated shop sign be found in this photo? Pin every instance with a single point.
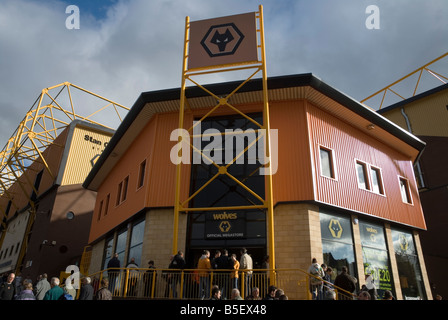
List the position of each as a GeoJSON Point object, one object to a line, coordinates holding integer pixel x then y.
{"type": "Point", "coordinates": [225, 225]}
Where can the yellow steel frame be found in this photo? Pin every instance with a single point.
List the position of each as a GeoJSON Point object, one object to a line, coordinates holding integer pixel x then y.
{"type": "Point", "coordinates": [418, 71]}
{"type": "Point", "coordinates": [52, 112]}
{"type": "Point", "coordinates": [266, 203]}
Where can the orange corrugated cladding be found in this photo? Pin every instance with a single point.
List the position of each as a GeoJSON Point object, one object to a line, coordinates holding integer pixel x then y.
{"type": "Point", "coordinates": [302, 127]}
{"type": "Point", "coordinates": [349, 145]}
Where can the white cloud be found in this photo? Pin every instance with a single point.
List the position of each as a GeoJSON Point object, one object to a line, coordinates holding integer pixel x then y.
{"type": "Point", "coordinates": [138, 45]}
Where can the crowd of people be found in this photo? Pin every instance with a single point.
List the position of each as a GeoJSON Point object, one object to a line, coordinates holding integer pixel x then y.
{"type": "Point", "coordinates": [322, 285]}
{"type": "Point", "coordinates": [215, 278]}
{"type": "Point", "coordinates": [16, 288]}
{"type": "Point", "coordinates": [226, 277]}
{"type": "Point", "coordinates": [226, 280]}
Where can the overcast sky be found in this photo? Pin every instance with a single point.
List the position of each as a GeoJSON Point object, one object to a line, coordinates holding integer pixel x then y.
{"type": "Point", "coordinates": [125, 47]}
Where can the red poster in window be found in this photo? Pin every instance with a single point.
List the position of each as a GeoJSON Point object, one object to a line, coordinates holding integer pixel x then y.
{"type": "Point", "coordinates": [223, 41]}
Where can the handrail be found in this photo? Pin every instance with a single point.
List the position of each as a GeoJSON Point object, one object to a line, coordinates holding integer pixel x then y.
{"type": "Point", "coordinates": [165, 283]}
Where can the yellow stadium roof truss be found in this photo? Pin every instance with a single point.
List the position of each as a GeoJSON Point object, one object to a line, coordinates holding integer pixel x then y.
{"type": "Point", "coordinates": [403, 83]}
{"type": "Point", "coordinates": [50, 114]}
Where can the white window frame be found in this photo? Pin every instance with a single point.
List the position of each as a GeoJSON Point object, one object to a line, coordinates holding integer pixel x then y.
{"type": "Point", "coordinates": [332, 162]}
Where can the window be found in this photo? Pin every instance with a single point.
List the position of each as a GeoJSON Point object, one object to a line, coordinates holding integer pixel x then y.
{"type": "Point", "coordinates": [369, 177]}
{"type": "Point", "coordinates": [376, 256]}
{"type": "Point", "coordinates": [108, 250]}
{"type": "Point", "coordinates": [405, 192]}
{"type": "Point", "coordinates": [136, 243]}
{"type": "Point", "coordinates": [120, 187]}
{"type": "Point", "coordinates": [326, 163]}
{"type": "Point", "coordinates": [408, 265]}
{"type": "Point", "coordinates": [99, 211]}
{"type": "Point", "coordinates": [106, 209]}
{"type": "Point", "coordinates": [337, 243]}
{"type": "Point", "coordinates": [361, 171]}
{"type": "Point", "coordinates": [120, 246]}
{"type": "Point", "coordinates": [122, 190]}
{"type": "Point", "coordinates": [141, 174]}
{"type": "Point", "coordinates": [377, 182]}
{"type": "Point", "coordinates": [125, 189]}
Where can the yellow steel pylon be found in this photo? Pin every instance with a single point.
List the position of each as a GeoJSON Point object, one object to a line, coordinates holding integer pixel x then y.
{"type": "Point", "coordinates": [258, 66]}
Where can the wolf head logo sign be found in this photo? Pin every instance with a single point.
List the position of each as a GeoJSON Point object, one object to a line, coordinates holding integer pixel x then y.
{"type": "Point", "coordinates": [222, 40]}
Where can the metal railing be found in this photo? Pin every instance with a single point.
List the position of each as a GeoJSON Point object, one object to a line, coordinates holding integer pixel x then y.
{"type": "Point", "coordinates": [139, 283]}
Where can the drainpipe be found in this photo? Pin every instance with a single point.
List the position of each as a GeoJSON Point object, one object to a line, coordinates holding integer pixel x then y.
{"type": "Point", "coordinates": [419, 170]}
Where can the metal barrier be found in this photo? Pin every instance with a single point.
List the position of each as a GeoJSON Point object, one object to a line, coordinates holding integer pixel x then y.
{"type": "Point", "coordinates": [138, 283]}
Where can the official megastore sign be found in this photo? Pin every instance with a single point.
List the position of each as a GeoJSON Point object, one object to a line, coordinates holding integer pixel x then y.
{"type": "Point", "coordinates": [228, 147]}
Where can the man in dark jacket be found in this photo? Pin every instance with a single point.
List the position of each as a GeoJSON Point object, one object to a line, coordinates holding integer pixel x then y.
{"type": "Point", "coordinates": [86, 289]}
{"type": "Point", "coordinates": [223, 262]}
{"type": "Point", "coordinates": [270, 295]}
{"type": "Point", "coordinates": [178, 263]}
{"type": "Point", "coordinates": [8, 289]}
{"type": "Point", "coordinates": [346, 282]}
{"type": "Point", "coordinates": [113, 272]}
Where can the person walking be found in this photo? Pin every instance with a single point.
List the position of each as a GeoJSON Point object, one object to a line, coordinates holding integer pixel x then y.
{"type": "Point", "coordinates": [328, 292]}
{"type": "Point", "coordinates": [270, 295]}
{"type": "Point", "coordinates": [42, 287]}
{"type": "Point", "coordinates": [370, 286]}
{"type": "Point", "coordinates": [27, 292]}
{"type": "Point", "coordinates": [204, 267]}
{"type": "Point", "coordinates": [224, 264]}
{"type": "Point", "coordinates": [8, 288]}
{"type": "Point", "coordinates": [113, 273]}
{"type": "Point", "coordinates": [346, 282]}
{"type": "Point", "coordinates": [149, 278]}
{"type": "Point", "coordinates": [246, 264]}
{"type": "Point", "coordinates": [55, 292]}
{"type": "Point", "coordinates": [86, 289]}
{"type": "Point", "coordinates": [316, 283]}
{"type": "Point", "coordinates": [234, 274]}
{"type": "Point", "coordinates": [103, 293]}
{"type": "Point", "coordinates": [178, 264]}
{"type": "Point", "coordinates": [133, 276]}
{"type": "Point", "coordinates": [255, 295]}
{"type": "Point", "coordinates": [235, 294]}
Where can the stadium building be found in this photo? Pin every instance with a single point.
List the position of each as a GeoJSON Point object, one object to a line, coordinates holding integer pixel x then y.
{"type": "Point", "coordinates": [343, 185]}
{"type": "Point", "coordinates": [47, 212]}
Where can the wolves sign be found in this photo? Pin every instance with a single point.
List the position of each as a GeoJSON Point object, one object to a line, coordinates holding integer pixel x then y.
{"type": "Point", "coordinates": [223, 41]}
